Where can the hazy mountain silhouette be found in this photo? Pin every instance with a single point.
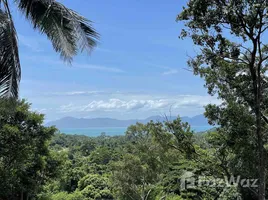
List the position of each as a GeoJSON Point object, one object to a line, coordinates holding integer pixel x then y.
{"type": "Point", "coordinates": [72, 122]}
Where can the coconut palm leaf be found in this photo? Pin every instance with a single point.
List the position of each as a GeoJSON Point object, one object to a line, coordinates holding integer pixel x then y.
{"type": "Point", "coordinates": [10, 71]}
{"type": "Point", "coordinates": [67, 30]}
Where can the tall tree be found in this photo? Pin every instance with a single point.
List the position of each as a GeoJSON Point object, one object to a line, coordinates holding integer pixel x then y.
{"type": "Point", "coordinates": [68, 31]}
{"type": "Point", "coordinates": [233, 60]}
{"type": "Point", "coordinates": [136, 174]}
{"type": "Point", "coordinates": [24, 154]}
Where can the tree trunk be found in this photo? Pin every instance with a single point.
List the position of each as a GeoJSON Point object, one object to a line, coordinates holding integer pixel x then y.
{"type": "Point", "coordinates": [261, 161]}
{"type": "Point", "coordinates": [257, 90]}
{"type": "Point", "coordinates": [21, 195]}
{"type": "Point", "coordinates": [258, 97]}
{"type": "Point", "coordinates": [262, 177]}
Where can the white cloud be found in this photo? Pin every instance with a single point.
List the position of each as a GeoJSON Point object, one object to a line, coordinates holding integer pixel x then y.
{"type": "Point", "coordinates": [119, 105]}
{"type": "Point", "coordinates": [116, 105]}
{"type": "Point", "coordinates": [98, 68]}
{"type": "Point", "coordinates": [42, 110]}
{"type": "Point", "coordinates": [170, 72]}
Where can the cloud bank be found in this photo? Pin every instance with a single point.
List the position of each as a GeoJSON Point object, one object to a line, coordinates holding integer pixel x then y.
{"type": "Point", "coordinates": [118, 105]}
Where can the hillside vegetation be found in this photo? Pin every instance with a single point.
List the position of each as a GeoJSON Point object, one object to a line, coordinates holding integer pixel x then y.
{"type": "Point", "coordinates": [151, 161]}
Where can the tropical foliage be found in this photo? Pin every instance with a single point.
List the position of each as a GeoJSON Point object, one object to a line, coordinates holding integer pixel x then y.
{"type": "Point", "coordinates": [233, 61]}
{"type": "Point", "coordinates": [157, 160]}
{"type": "Point", "coordinates": [149, 162]}
{"type": "Point", "coordinates": [25, 161]}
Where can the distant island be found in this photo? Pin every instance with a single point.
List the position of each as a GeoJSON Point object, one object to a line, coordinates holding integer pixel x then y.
{"type": "Point", "coordinates": [72, 122]}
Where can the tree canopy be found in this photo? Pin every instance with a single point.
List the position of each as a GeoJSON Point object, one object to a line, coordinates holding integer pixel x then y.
{"type": "Point", "coordinates": [232, 58]}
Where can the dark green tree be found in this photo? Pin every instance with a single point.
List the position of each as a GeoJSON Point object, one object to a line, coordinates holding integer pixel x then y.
{"type": "Point", "coordinates": [232, 58]}
{"type": "Point", "coordinates": [139, 169]}
{"type": "Point", "coordinates": [95, 186]}
{"type": "Point", "coordinates": [24, 152]}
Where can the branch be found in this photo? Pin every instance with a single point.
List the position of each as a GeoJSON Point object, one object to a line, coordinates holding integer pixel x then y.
{"type": "Point", "coordinates": [147, 195]}
{"type": "Point", "coordinates": [264, 118]}
{"type": "Point", "coordinates": [263, 30]}
{"type": "Point", "coordinates": [237, 60]}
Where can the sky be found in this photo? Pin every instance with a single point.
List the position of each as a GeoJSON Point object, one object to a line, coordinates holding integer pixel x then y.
{"type": "Point", "coordinates": [137, 70]}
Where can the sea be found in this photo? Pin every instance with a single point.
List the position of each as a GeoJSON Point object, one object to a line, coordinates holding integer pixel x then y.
{"type": "Point", "coordinates": [113, 131]}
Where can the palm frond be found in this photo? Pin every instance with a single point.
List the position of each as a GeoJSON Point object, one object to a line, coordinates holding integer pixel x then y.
{"type": "Point", "coordinates": [10, 71]}
{"type": "Point", "coordinates": [67, 30]}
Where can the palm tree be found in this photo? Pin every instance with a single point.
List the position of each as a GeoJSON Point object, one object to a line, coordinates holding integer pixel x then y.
{"type": "Point", "coordinates": [68, 31]}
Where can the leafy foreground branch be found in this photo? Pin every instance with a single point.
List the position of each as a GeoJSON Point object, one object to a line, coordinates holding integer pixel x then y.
{"type": "Point", "coordinates": [68, 32]}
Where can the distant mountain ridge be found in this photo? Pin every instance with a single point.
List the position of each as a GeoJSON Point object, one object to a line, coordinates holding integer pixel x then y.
{"type": "Point", "coordinates": [72, 122]}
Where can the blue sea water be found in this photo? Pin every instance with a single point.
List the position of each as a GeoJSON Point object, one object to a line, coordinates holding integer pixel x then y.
{"type": "Point", "coordinates": [112, 131]}
{"type": "Point", "coordinates": [95, 131]}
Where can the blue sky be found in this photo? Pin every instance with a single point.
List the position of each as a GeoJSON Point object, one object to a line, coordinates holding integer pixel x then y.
{"type": "Point", "coordinates": [136, 71]}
